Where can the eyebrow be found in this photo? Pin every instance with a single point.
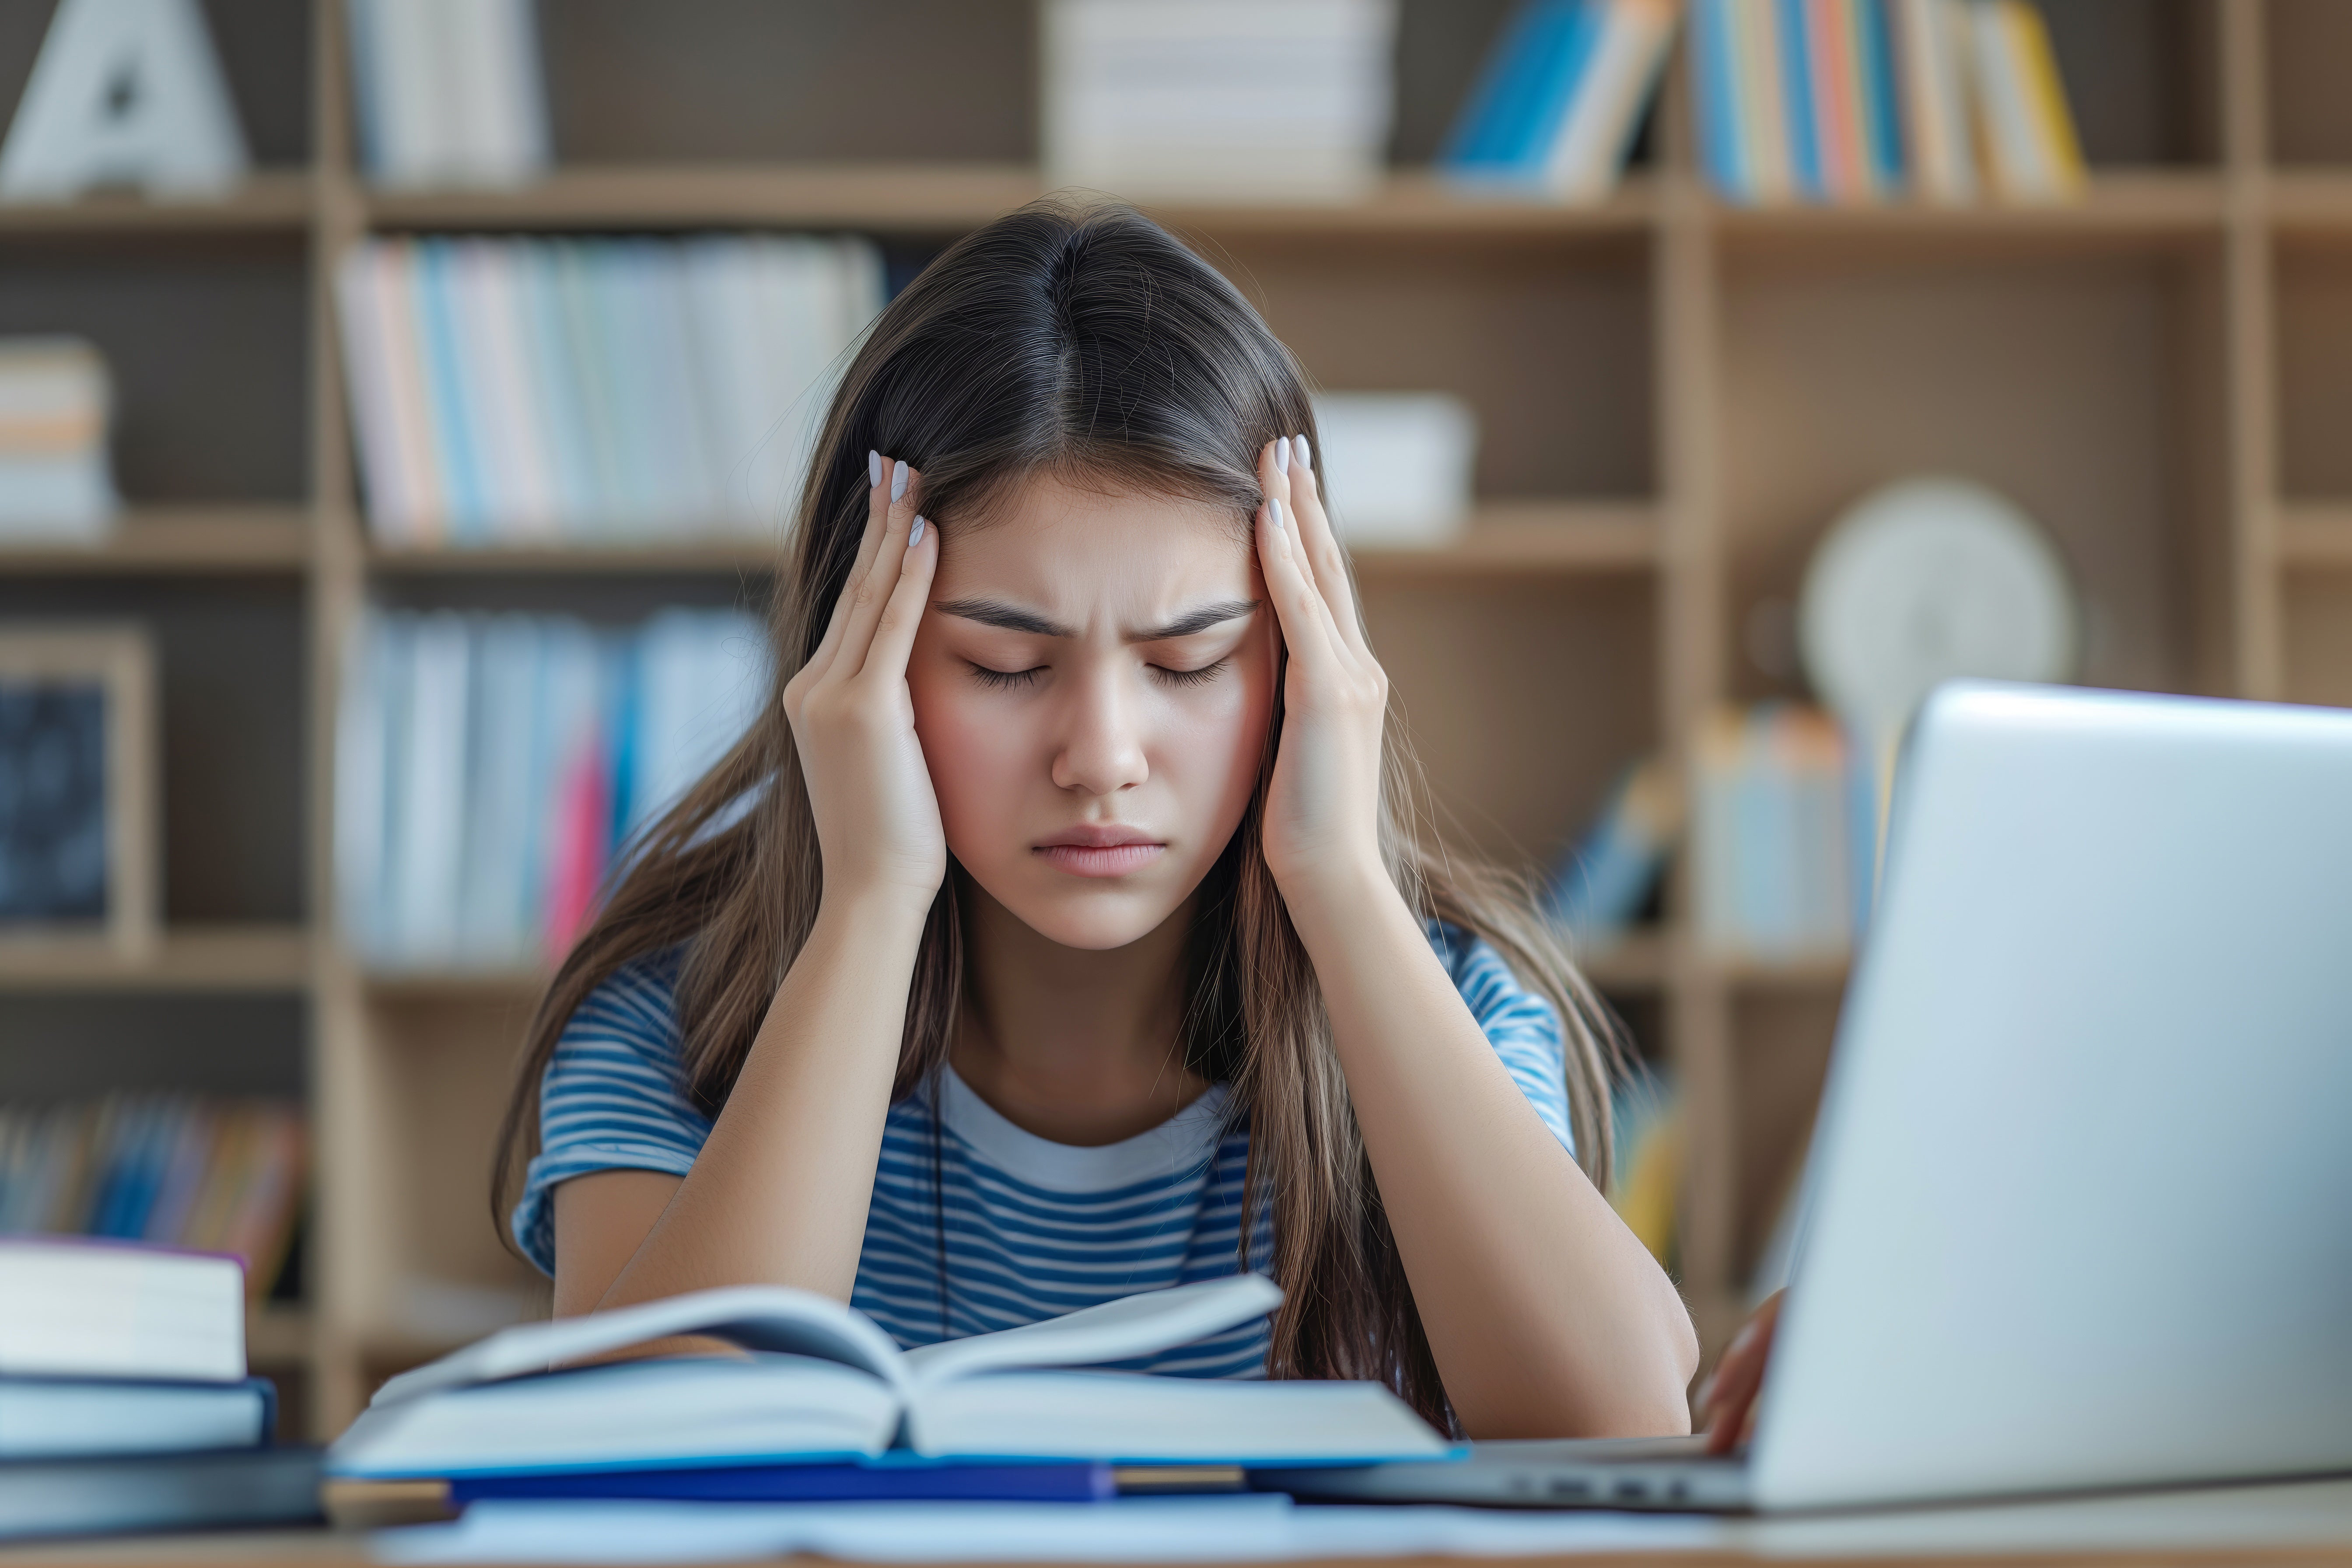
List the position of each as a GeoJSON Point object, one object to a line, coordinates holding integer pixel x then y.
{"type": "Point", "coordinates": [1014, 619]}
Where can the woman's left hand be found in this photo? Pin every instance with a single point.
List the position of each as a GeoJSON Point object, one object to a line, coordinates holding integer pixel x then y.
{"type": "Point", "coordinates": [1322, 810]}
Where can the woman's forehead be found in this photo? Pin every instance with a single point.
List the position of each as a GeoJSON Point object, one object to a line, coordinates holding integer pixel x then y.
{"type": "Point", "coordinates": [1083, 556]}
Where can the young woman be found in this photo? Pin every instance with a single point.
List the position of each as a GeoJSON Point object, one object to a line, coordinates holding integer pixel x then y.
{"type": "Point", "coordinates": [1063, 933]}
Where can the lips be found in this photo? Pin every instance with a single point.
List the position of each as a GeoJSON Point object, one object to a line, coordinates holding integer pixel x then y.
{"type": "Point", "coordinates": [1101, 849]}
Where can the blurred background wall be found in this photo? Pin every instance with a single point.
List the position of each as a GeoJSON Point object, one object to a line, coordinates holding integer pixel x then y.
{"type": "Point", "coordinates": [433, 450]}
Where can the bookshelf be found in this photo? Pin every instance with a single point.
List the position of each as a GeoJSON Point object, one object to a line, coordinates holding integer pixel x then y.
{"type": "Point", "coordinates": [1675, 398]}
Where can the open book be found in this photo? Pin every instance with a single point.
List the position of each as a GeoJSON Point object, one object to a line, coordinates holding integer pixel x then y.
{"type": "Point", "coordinates": [823, 1382]}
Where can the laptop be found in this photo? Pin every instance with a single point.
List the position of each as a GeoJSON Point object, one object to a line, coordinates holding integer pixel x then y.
{"type": "Point", "coordinates": [2079, 1210]}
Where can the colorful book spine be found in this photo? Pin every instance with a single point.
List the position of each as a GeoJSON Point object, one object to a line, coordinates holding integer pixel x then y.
{"type": "Point", "coordinates": [1854, 101]}
{"type": "Point", "coordinates": [172, 1170]}
{"type": "Point", "coordinates": [526, 391]}
{"type": "Point", "coordinates": [1561, 98]}
{"type": "Point", "coordinates": [492, 770]}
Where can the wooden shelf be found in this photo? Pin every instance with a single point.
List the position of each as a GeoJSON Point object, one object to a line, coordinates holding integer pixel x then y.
{"type": "Point", "coordinates": [505, 987]}
{"type": "Point", "coordinates": [186, 958]}
{"type": "Point", "coordinates": [1504, 538]}
{"type": "Point", "coordinates": [1794, 976]}
{"type": "Point", "coordinates": [2119, 204]}
{"type": "Point", "coordinates": [2317, 200]}
{"type": "Point", "coordinates": [2317, 533]}
{"type": "Point", "coordinates": [180, 539]}
{"type": "Point", "coordinates": [712, 553]}
{"type": "Point", "coordinates": [944, 197]}
{"type": "Point", "coordinates": [1518, 538]}
{"type": "Point", "coordinates": [268, 199]}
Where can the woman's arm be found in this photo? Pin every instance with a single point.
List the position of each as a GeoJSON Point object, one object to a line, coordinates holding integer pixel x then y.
{"type": "Point", "coordinates": [780, 1191]}
{"type": "Point", "coordinates": [1548, 1318]}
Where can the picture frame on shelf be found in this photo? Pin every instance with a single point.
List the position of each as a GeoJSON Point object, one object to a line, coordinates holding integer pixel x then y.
{"type": "Point", "coordinates": [78, 836]}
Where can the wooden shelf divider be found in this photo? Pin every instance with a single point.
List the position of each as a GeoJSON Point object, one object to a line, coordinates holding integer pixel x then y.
{"type": "Point", "coordinates": [191, 540]}
{"type": "Point", "coordinates": [268, 199]}
{"type": "Point", "coordinates": [186, 958]}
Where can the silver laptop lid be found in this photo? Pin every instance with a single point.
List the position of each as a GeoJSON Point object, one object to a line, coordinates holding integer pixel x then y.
{"type": "Point", "coordinates": [2081, 1205]}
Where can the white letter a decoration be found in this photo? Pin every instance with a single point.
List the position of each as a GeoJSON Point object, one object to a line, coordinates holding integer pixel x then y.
{"type": "Point", "coordinates": [124, 93]}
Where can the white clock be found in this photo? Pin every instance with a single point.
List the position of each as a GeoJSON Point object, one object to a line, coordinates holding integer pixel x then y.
{"type": "Point", "coordinates": [1925, 581]}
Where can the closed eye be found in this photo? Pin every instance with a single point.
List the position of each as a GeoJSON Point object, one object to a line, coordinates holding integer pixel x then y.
{"type": "Point", "coordinates": [1200, 677]}
{"type": "Point", "coordinates": [1005, 680]}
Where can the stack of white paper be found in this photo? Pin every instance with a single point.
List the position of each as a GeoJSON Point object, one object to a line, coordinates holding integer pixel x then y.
{"type": "Point", "coordinates": [1209, 100]}
{"type": "Point", "coordinates": [1402, 465]}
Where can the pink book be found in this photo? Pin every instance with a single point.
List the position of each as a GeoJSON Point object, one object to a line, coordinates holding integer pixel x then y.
{"type": "Point", "coordinates": [584, 808]}
{"type": "Point", "coordinates": [1836, 91]}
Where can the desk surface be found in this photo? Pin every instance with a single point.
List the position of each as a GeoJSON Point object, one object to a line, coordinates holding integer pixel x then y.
{"type": "Point", "coordinates": [2294, 1523]}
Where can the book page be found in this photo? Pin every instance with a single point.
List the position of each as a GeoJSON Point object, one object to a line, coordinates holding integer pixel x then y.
{"type": "Point", "coordinates": [1133, 1326]}
{"type": "Point", "coordinates": [756, 1317]}
{"type": "Point", "coordinates": [1136, 1418]}
{"type": "Point", "coordinates": [690, 1410]}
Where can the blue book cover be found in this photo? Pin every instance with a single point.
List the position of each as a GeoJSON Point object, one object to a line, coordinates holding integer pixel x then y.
{"type": "Point", "coordinates": [1537, 71]}
{"type": "Point", "coordinates": [1797, 92]}
{"type": "Point", "coordinates": [1533, 139]}
{"type": "Point", "coordinates": [453, 418]}
{"type": "Point", "coordinates": [1506, 81]}
{"type": "Point", "coordinates": [1087, 1482]}
{"type": "Point", "coordinates": [1722, 128]}
{"type": "Point", "coordinates": [1884, 133]}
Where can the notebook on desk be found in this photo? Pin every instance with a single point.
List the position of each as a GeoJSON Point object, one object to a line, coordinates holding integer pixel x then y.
{"type": "Point", "coordinates": [2075, 1214]}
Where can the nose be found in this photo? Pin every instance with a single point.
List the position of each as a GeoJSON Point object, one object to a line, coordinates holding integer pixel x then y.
{"type": "Point", "coordinates": [1101, 749]}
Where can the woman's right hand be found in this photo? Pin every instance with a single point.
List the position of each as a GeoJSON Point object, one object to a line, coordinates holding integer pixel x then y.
{"type": "Point", "coordinates": [877, 822]}
{"type": "Point", "coordinates": [1728, 1405]}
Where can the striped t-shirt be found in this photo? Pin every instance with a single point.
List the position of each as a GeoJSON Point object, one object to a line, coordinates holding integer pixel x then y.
{"type": "Point", "coordinates": [1030, 1228]}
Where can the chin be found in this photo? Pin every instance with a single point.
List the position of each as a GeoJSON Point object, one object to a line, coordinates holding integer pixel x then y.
{"type": "Point", "coordinates": [1092, 919]}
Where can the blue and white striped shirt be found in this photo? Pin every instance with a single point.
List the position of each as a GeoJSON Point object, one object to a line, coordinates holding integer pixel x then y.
{"type": "Point", "coordinates": [1032, 1228]}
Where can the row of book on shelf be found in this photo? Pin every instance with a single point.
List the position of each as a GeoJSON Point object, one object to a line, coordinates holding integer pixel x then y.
{"type": "Point", "coordinates": [490, 767]}
{"type": "Point", "coordinates": [1866, 100]}
{"type": "Point", "coordinates": [206, 1175]}
{"type": "Point", "coordinates": [1819, 101]}
{"type": "Point", "coordinates": [508, 390]}
{"type": "Point", "coordinates": [1780, 820]}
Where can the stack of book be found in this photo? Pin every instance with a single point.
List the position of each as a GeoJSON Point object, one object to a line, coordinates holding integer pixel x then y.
{"type": "Point", "coordinates": [1782, 829]}
{"type": "Point", "coordinates": [1563, 93]}
{"type": "Point", "coordinates": [209, 1176]}
{"type": "Point", "coordinates": [1212, 99]}
{"type": "Point", "coordinates": [450, 91]}
{"type": "Point", "coordinates": [489, 768]}
{"type": "Point", "coordinates": [56, 401]}
{"type": "Point", "coordinates": [124, 1402]}
{"type": "Point", "coordinates": [1868, 100]}
{"type": "Point", "coordinates": [539, 391]}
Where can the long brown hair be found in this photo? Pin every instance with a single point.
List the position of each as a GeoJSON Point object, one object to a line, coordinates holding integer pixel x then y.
{"type": "Point", "coordinates": [1080, 340]}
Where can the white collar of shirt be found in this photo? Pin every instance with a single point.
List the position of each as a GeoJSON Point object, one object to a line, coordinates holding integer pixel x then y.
{"type": "Point", "coordinates": [1178, 1147]}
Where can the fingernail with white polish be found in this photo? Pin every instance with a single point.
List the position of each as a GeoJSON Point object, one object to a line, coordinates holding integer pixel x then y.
{"type": "Point", "coordinates": [1299, 453]}
{"type": "Point", "coordinates": [915, 534]}
{"type": "Point", "coordinates": [1274, 510]}
{"type": "Point", "coordinates": [872, 469]}
{"type": "Point", "coordinates": [1281, 455]}
{"type": "Point", "coordinates": [899, 482]}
